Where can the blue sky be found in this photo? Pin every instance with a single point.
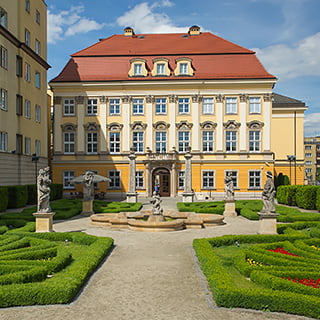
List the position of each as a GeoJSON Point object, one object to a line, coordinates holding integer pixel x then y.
{"type": "Point", "coordinates": [284, 33]}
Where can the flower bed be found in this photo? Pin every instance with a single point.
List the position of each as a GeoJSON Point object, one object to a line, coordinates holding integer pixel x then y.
{"type": "Point", "coordinates": [307, 282]}
{"type": "Point", "coordinates": [283, 251]}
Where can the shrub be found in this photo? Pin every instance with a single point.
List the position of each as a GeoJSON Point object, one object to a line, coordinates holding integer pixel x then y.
{"type": "Point", "coordinates": [215, 207]}
{"type": "Point", "coordinates": [3, 198]}
{"type": "Point", "coordinates": [17, 196]}
{"type": "Point", "coordinates": [32, 193]}
{"type": "Point", "coordinates": [306, 197]}
{"type": "Point", "coordinates": [318, 199]}
{"type": "Point", "coordinates": [56, 191]}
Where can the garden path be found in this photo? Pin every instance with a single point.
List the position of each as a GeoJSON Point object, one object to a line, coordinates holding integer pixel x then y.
{"type": "Point", "coordinates": [147, 276]}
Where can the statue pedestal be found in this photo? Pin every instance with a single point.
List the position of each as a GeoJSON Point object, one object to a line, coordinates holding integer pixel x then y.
{"type": "Point", "coordinates": [87, 208]}
{"type": "Point", "coordinates": [187, 196]}
{"type": "Point", "coordinates": [268, 223]}
{"type": "Point", "coordinates": [229, 208]}
{"type": "Point", "coordinates": [132, 197]}
{"type": "Point", "coordinates": [44, 221]}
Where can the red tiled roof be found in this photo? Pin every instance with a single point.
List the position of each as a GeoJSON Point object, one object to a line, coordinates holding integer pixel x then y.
{"type": "Point", "coordinates": [212, 58]}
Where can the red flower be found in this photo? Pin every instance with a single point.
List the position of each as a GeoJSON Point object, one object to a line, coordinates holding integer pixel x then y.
{"type": "Point", "coordinates": [283, 251]}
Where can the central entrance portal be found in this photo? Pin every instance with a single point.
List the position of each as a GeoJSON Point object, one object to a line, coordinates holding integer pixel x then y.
{"type": "Point", "coordinates": [161, 177]}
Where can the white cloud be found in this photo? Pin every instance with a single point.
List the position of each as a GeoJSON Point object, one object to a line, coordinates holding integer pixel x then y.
{"type": "Point", "coordinates": [68, 23]}
{"type": "Point", "coordinates": [311, 124]}
{"type": "Point", "coordinates": [143, 19]}
{"type": "Point", "coordinates": [301, 59]}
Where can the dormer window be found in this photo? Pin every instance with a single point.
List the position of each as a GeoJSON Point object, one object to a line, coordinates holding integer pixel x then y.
{"type": "Point", "coordinates": [184, 67]}
{"type": "Point", "coordinates": [160, 67]}
{"type": "Point", "coordinates": [138, 68]}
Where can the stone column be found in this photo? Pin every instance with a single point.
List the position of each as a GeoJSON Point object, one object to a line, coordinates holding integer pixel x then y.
{"type": "Point", "coordinates": [132, 195]}
{"type": "Point", "coordinates": [80, 112]}
{"type": "Point", "coordinates": [196, 99]}
{"type": "Point", "coordinates": [243, 121]}
{"type": "Point", "coordinates": [188, 194]}
{"type": "Point", "coordinates": [173, 187]}
{"type": "Point", "coordinates": [172, 117]}
{"type": "Point", "coordinates": [219, 112]}
{"type": "Point", "coordinates": [126, 111]}
{"type": "Point", "coordinates": [103, 124]}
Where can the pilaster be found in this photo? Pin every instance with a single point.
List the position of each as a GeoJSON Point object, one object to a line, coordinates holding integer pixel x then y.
{"type": "Point", "coordinates": [80, 113]}
{"type": "Point", "coordinates": [103, 123]}
{"type": "Point", "coordinates": [267, 112]}
{"type": "Point", "coordinates": [196, 99]}
{"type": "Point", "coordinates": [243, 119]}
{"type": "Point", "coordinates": [149, 119]}
{"type": "Point", "coordinates": [172, 117]}
{"type": "Point", "coordinates": [126, 100]}
{"type": "Point", "coordinates": [219, 112]}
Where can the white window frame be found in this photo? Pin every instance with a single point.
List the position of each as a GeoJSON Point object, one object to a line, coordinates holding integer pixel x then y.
{"type": "Point", "coordinates": [3, 141]}
{"type": "Point", "coordinates": [3, 99]}
{"type": "Point", "coordinates": [38, 17]}
{"type": "Point", "coordinates": [67, 176]}
{"type": "Point", "coordinates": [138, 141]}
{"type": "Point", "coordinates": [139, 179]}
{"type": "Point", "coordinates": [114, 142]}
{"type": "Point", "coordinates": [3, 17]}
{"type": "Point", "coordinates": [137, 69]}
{"type": "Point", "coordinates": [137, 106]}
{"type": "Point", "coordinates": [183, 68]}
{"type": "Point", "coordinates": [183, 105]}
{"type": "Point", "coordinates": [255, 105]}
{"type": "Point", "coordinates": [69, 142]}
{"type": "Point", "coordinates": [234, 176]}
{"type": "Point", "coordinates": [231, 140]}
{"type": "Point", "coordinates": [308, 163]}
{"type": "Point", "coordinates": [114, 107]}
{"type": "Point", "coordinates": [92, 142]}
{"type": "Point", "coordinates": [184, 140]}
{"type": "Point", "coordinates": [254, 140]}
{"type": "Point", "coordinates": [208, 179]}
{"type": "Point", "coordinates": [27, 146]}
{"type": "Point", "coordinates": [207, 144]}
{"type": "Point", "coordinates": [27, 5]}
{"type": "Point", "coordinates": [161, 141]}
{"type": "Point", "coordinates": [308, 155]}
{"type": "Point", "coordinates": [161, 105]}
{"type": "Point", "coordinates": [254, 179]}
{"type": "Point", "coordinates": [38, 79]}
{"type": "Point", "coordinates": [27, 109]}
{"type": "Point", "coordinates": [115, 176]}
{"type": "Point", "coordinates": [181, 179]}
{"type": "Point", "coordinates": [161, 69]}
{"type": "Point", "coordinates": [3, 57]}
{"type": "Point", "coordinates": [38, 47]}
{"type": "Point", "coordinates": [308, 147]}
{"type": "Point", "coordinates": [38, 148]}
{"type": "Point", "coordinates": [208, 106]}
{"type": "Point", "coordinates": [92, 107]}
{"type": "Point", "coordinates": [27, 72]}
{"type": "Point", "coordinates": [27, 37]}
{"type": "Point", "coordinates": [231, 105]}
{"type": "Point", "coordinates": [68, 107]}
{"type": "Point", "coordinates": [38, 113]}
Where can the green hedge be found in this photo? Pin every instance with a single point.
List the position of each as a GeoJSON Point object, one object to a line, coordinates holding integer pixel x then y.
{"type": "Point", "coordinates": [56, 191]}
{"type": "Point", "coordinates": [3, 198]}
{"type": "Point", "coordinates": [215, 207]}
{"type": "Point", "coordinates": [17, 196]}
{"type": "Point", "coordinates": [32, 193]}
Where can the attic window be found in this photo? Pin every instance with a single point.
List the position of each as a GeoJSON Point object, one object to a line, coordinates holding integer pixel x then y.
{"type": "Point", "coordinates": [138, 68]}
{"type": "Point", "coordinates": [184, 67]}
{"type": "Point", "coordinates": [160, 67]}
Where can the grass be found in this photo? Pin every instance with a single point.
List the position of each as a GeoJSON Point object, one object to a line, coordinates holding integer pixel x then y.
{"type": "Point", "coordinates": [100, 206]}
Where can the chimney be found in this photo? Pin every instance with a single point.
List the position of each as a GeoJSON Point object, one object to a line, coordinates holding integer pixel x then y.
{"type": "Point", "coordinates": [194, 31]}
{"type": "Point", "coordinates": [128, 32]}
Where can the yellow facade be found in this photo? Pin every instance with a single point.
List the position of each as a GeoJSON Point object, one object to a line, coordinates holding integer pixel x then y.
{"type": "Point", "coordinates": [24, 114]}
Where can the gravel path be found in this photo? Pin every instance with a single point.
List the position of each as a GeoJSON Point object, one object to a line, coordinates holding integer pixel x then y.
{"type": "Point", "coordinates": [146, 276]}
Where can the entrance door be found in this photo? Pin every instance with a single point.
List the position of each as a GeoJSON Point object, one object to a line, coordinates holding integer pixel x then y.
{"type": "Point", "coordinates": [162, 177]}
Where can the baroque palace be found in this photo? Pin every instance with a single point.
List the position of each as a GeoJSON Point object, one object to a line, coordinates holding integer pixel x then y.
{"type": "Point", "coordinates": [165, 96]}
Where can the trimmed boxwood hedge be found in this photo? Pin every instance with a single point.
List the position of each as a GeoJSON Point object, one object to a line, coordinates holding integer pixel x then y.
{"type": "Point", "coordinates": [17, 196]}
{"type": "Point", "coordinates": [215, 207]}
{"type": "Point", "coordinates": [3, 198]}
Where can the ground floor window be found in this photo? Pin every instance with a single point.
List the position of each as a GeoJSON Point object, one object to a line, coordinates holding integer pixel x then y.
{"type": "Point", "coordinates": [115, 179]}
{"type": "Point", "coordinates": [139, 180]}
{"type": "Point", "coordinates": [67, 177]}
{"type": "Point", "coordinates": [181, 179]}
{"type": "Point", "coordinates": [207, 179]}
{"type": "Point", "coordinates": [234, 176]}
{"type": "Point", "coordinates": [254, 179]}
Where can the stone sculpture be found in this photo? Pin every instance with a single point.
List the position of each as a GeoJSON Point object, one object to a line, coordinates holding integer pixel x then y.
{"type": "Point", "coordinates": [228, 187]}
{"type": "Point", "coordinates": [268, 195]}
{"type": "Point", "coordinates": [156, 201]}
{"type": "Point", "coordinates": [43, 181]}
{"type": "Point", "coordinates": [88, 186]}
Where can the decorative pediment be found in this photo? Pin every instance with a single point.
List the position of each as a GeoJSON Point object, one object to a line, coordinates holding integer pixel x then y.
{"type": "Point", "coordinates": [255, 124]}
{"type": "Point", "coordinates": [138, 125]}
{"type": "Point", "coordinates": [209, 125]}
{"type": "Point", "coordinates": [68, 127]}
{"type": "Point", "coordinates": [114, 126]}
{"type": "Point", "coordinates": [184, 125]}
{"type": "Point", "coordinates": [161, 125]}
{"type": "Point", "coordinates": [231, 124]}
{"type": "Point", "coordinates": [91, 126]}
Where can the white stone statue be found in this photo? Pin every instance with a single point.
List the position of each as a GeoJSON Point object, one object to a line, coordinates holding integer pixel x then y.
{"type": "Point", "coordinates": [88, 186]}
{"type": "Point", "coordinates": [228, 187]}
{"type": "Point", "coordinates": [268, 195]}
{"type": "Point", "coordinates": [156, 201]}
{"type": "Point", "coordinates": [43, 181]}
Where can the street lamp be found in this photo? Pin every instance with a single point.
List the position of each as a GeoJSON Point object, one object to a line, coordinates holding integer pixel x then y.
{"type": "Point", "coordinates": [290, 159]}
{"type": "Point", "coordinates": [35, 159]}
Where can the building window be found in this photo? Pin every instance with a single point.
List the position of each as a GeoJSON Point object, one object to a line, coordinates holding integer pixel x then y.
{"type": "Point", "coordinates": [4, 57]}
{"type": "Point", "coordinates": [38, 113]}
{"type": "Point", "coordinates": [207, 141]}
{"type": "Point", "coordinates": [27, 146]}
{"type": "Point", "coordinates": [3, 141]}
{"type": "Point", "coordinates": [161, 69]}
{"type": "Point", "coordinates": [67, 177]}
{"type": "Point", "coordinates": [27, 5]}
{"type": "Point", "coordinates": [92, 107]}
{"type": "Point", "coordinates": [68, 107]}
{"type": "Point", "coordinates": [308, 155]}
{"type": "Point", "coordinates": [38, 47]}
{"type": "Point", "coordinates": [114, 142]}
{"type": "Point", "coordinates": [137, 106]}
{"type": "Point", "coordinates": [92, 142]}
{"type": "Point", "coordinates": [137, 69]}
{"type": "Point", "coordinates": [114, 176]}
{"type": "Point", "coordinates": [19, 144]}
{"type": "Point", "coordinates": [183, 140]}
{"type": "Point", "coordinates": [139, 180]}
{"type": "Point", "coordinates": [308, 170]}
{"type": "Point", "coordinates": [183, 105]}
{"type": "Point", "coordinates": [69, 142]}
{"type": "Point", "coordinates": [254, 105]}
{"type": "Point", "coordinates": [308, 147]}
{"type": "Point", "coordinates": [38, 148]}
{"type": "Point", "coordinates": [254, 179]}
{"type": "Point", "coordinates": [3, 18]}
{"type": "Point", "coordinates": [3, 99]}
{"type": "Point", "coordinates": [37, 16]}
{"type": "Point", "coordinates": [308, 163]}
{"type": "Point", "coordinates": [161, 105]}
{"type": "Point", "coordinates": [27, 109]}
{"type": "Point", "coordinates": [234, 175]}
{"type": "Point", "coordinates": [161, 141]}
{"type": "Point", "coordinates": [254, 141]}
{"type": "Point", "coordinates": [38, 79]}
{"type": "Point", "coordinates": [137, 141]}
{"type": "Point", "coordinates": [183, 68]}
{"type": "Point", "coordinates": [27, 72]}
{"type": "Point", "coordinates": [181, 178]}
{"type": "Point", "coordinates": [231, 105]}
{"type": "Point", "coordinates": [231, 140]}
{"type": "Point", "coordinates": [207, 179]}
{"type": "Point", "coordinates": [114, 107]}
{"type": "Point", "coordinates": [19, 66]}
{"type": "Point", "coordinates": [207, 106]}
{"type": "Point", "coordinates": [27, 37]}
{"type": "Point", "coordinates": [19, 105]}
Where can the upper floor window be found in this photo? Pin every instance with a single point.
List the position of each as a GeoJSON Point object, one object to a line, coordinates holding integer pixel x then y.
{"type": "Point", "coordinates": [114, 142]}
{"type": "Point", "coordinates": [254, 140]}
{"type": "Point", "coordinates": [27, 5]}
{"type": "Point", "coordinates": [161, 141]}
{"type": "Point", "coordinates": [183, 140]}
{"type": "Point", "coordinates": [254, 105]}
{"type": "Point", "coordinates": [231, 105]}
{"type": "Point", "coordinates": [38, 148]}
{"type": "Point", "coordinates": [69, 142]}
{"type": "Point", "coordinates": [68, 107]}
{"type": "Point", "coordinates": [3, 18]}
{"type": "Point", "coordinates": [231, 140]}
{"type": "Point", "coordinates": [27, 146]}
{"type": "Point", "coordinates": [137, 106]}
{"type": "Point", "coordinates": [27, 109]}
{"type": "Point", "coordinates": [183, 105]}
{"type": "Point", "coordinates": [38, 113]}
{"type": "Point", "coordinates": [38, 47]}
{"type": "Point", "coordinates": [308, 163]}
{"type": "Point", "coordinates": [207, 106]}
{"type": "Point", "coordinates": [3, 99]}
{"type": "Point", "coordinates": [3, 141]}
{"type": "Point", "coordinates": [114, 107]}
{"type": "Point", "coordinates": [27, 37]}
{"type": "Point", "coordinates": [38, 79]}
{"type": "Point", "coordinates": [92, 142]}
{"type": "Point", "coordinates": [161, 69]}
{"type": "Point", "coordinates": [27, 72]}
{"type": "Point", "coordinates": [37, 16]}
{"type": "Point", "coordinates": [19, 104]}
{"type": "Point", "coordinates": [137, 69]}
{"type": "Point", "coordinates": [19, 66]}
{"type": "Point", "coordinates": [138, 141]}
{"type": "Point", "coordinates": [3, 57]}
{"type": "Point", "coordinates": [161, 105]}
{"type": "Point", "coordinates": [207, 141]}
{"type": "Point", "coordinates": [308, 155]}
{"type": "Point", "coordinates": [19, 143]}
{"type": "Point", "coordinates": [183, 68]}
{"type": "Point", "coordinates": [92, 107]}
{"type": "Point", "coordinates": [308, 147]}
